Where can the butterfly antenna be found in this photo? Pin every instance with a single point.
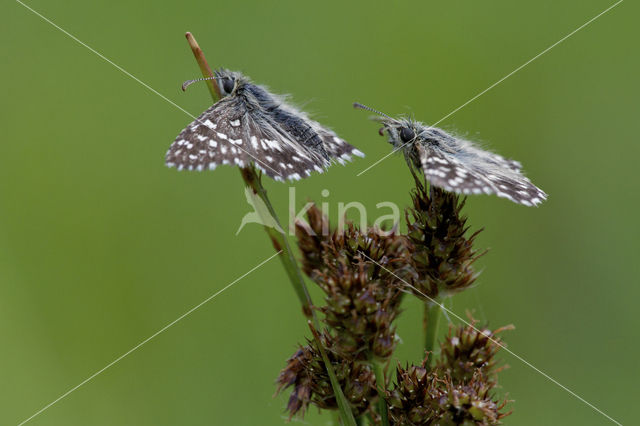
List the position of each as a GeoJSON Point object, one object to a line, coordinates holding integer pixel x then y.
{"type": "Point", "coordinates": [190, 82]}
{"type": "Point", "coordinates": [360, 106]}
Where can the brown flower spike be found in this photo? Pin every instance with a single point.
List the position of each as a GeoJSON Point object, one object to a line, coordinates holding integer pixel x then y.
{"type": "Point", "coordinates": [424, 397]}
{"type": "Point", "coordinates": [306, 374]}
{"type": "Point", "coordinates": [469, 349]}
{"type": "Point", "coordinates": [362, 298]}
{"type": "Point", "coordinates": [443, 256]}
{"type": "Point", "coordinates": [364, 274]}
{"type": "Point", "coordinates": [458, 391]}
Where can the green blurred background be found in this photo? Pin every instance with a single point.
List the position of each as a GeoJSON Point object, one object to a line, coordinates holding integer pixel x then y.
{"type": "Point", "coordinates": [101, 245]}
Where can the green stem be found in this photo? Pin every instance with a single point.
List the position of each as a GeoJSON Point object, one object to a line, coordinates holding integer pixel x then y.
{"type": "Point", "coordinates": [281, 244]}
{"type": "Point", "coordinates": [430, 324]}
{"type": "Point", "coordinates": [343, 404]}
{"type": "Point", "coordinates": [381, 387]}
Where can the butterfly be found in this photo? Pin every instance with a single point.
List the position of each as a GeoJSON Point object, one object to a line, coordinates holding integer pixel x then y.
{"type": "Point", "coordinates": [249, 124]}
{"type": "Point", "coordinates": [455, 164]}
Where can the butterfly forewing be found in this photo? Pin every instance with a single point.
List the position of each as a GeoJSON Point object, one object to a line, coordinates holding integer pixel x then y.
{"type": "Point", "coordinates": [338, 148]}
{"type": "Point", "coordinates": [227, 133]}
{"type": "Point", "coordinates": [488, 173]}
{"type": "Point", "coordinates": [448, 173]}
{"type": "Point", "coordinates": [517, 189]}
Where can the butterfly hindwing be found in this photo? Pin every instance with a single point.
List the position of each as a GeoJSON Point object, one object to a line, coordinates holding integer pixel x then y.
{"type": "Point", "coordinates": [282, 157]}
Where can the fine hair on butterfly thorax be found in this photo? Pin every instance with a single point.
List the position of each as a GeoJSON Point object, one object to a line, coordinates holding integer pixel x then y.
{"type": "Point", "coordinates": [455, 164]}
{"type": "Point", "coordinates": [252, 125]}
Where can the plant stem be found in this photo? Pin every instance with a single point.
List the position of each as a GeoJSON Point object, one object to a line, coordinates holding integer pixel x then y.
{"type": "Point", "coordinates": [214, 90]}
{"type": "Point", "coordinates": [280, 243]}
{"type": "Point", "coordinates": [430, 325]}
{"type": "Point", "coordinates": [381, 387]}
{"type": "Point", "coordinates": [343, 404]}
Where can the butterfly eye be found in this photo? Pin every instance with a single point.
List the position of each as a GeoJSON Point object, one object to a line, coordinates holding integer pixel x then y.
{"type": "Point", "coordinates": [227, 85]}
{"type": "Point", "coordinates": [407, 134]}
{"type": "Point", "coordinates": [381, 131]}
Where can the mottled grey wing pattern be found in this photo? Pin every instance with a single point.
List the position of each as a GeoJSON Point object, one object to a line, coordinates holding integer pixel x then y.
{"type": "Point", "coordinates": [227, 133]}
{"type": "Point", "coordinates": [338, 148]}
{"type": "Point", "coordinates": [519, 190]}
{"type": "Point", "coordinates": [448, 173]}
{"type": "Point", "coordinates": [490, 175]}
{"type": "Point", "coordinates": [500, 161]}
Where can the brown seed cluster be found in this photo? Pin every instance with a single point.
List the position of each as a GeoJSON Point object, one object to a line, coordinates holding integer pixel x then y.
{"type": "Point", "coordinates": [442, 254]}
{"type": "Point", "coordinates": [364, 275]}
{"type": "Point", "coordinates": [431, 397]}
{"type": "Point", "coordinates": [361, 274]}
{"type": "Point", "coordinates": [305, 373]}
{"type": "Point", "coordinates": [467, 350]}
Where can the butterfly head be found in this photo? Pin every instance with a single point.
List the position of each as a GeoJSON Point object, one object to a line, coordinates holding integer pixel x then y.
{"type": "Point", "coordinates": [228, 81]}
{"type": "Point", "coordinates": [401, 132]}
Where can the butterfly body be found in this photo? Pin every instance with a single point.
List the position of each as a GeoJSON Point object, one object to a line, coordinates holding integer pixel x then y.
{"type": "Point", "coordinates": [458, 165]}
{"type": "Point", "coordinates": [250, 124]}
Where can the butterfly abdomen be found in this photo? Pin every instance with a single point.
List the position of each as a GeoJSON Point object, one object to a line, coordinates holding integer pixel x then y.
{"type": "Point", "coordinates": [300, 130]}
{"type": "Point", "coordinates": [291, 121]}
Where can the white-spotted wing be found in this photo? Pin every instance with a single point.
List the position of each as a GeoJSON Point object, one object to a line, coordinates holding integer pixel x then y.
{"type": "Point", "coordinates": [250, 125]}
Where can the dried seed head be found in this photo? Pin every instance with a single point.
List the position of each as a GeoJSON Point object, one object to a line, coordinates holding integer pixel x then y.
{"type": "Point", "coordinates": [443, 256]}
{"type": "Point", "coordinates": [468, 349]}
{"type": "Point", "coordinates": [423, 397]}
{"type": "Point", "coordinates": [306, 374]}
{"type": "Point", "coordinates": [362, 298]}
